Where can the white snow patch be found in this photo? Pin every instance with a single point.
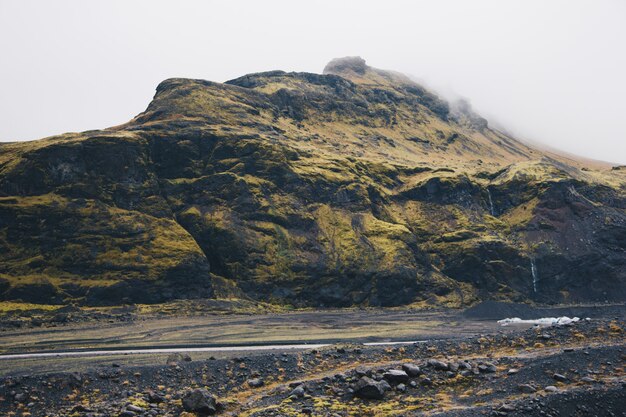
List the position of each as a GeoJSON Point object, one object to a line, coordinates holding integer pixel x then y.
{"type": "Point", "coordinates": [546, 321]}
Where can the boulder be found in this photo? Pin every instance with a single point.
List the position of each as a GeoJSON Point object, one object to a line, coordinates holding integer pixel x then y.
{"type": "Point", "coordinates": [369, 389]}
{"type": "Point", "coordinates": [297, 392]}
{"type": "Point", "coordinates": [396, 376]}
{"type": "Point", "coordinates": [200, 401]}
{"type": "Point", "coordinates": [437, 364]}
{"type": "Point", "coordinates": [411, 369]}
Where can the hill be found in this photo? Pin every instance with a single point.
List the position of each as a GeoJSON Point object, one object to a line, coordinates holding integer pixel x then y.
{"type": "Point", "coordinates": [353, 187]}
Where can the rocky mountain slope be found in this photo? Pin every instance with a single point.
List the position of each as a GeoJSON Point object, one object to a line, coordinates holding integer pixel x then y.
{"type": "Point", "coordinates": [355, 187]}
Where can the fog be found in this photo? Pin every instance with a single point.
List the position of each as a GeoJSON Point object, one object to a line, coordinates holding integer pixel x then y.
{"type": "Point", "coordinates": [549, 71]}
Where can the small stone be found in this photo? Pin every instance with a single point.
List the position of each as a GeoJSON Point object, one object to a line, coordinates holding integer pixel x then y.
{"type": "Point", "coordinates": [396, 376]}
{"type": "Point", "coordinates": [526, 388]}
{"type": "Point", "coordinates": [588, 379]}
{"type": "Point", "coordinates": [411, 369]}
{"type": "Point", "coordinates": [559, 377]}
{"type": "Point", "coordinates": [550, 388]}
{"type": "Point", "coordinates": [21, 397]}
{"type": "Point", "coordinates": [513, 371]}
{"type": "Point", "coordinates": [487, 367]}
{"type": "Point", "coordinates": [256, 382]}
{"type": "Point", "coordinates": [506, 408]}
{"type": "Point", "coordinates": [437, 364]}
{"type": "Point", "coordinates": [465, 365]}
{"type": "Point", "coordinates": [298, 392]}
{"type": "Point", "coordinates": [134, 408]}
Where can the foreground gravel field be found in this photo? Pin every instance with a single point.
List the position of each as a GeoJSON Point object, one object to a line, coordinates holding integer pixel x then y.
{"type": "Point", "coordinates": [575, 370]}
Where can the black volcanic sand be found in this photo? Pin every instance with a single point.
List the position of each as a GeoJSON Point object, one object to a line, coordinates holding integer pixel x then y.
{"type": "Point", "coordinates": [589, 358]}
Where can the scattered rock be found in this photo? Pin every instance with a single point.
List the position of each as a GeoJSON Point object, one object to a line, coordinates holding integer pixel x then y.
{"type": "Point", "coordinates": [21, 397]}
{"type": "Point", "coordinates": [256, 382]}
{"type": "Point", "coordinates": [200, 401]}
{"type": "Point", "coordinates": [411, 369]}
{"type": "Point", "coordinates": [370, 389]}
{"type": "Point", "coordinates": [396, 376]}
{"type": "Point", "coordinates": [297, 392]}
{"type": "Point", "coordinates": [550, 388]}
{"type": "Point", "coordinates": [527, 388]}
{"type": "Point", "coordinates": [437, 364]}
{"type": "Point", "coordinates": [426, 381]}
{"type": "Point", "coordinates": [506, 408]}
{"type": "Point", "coordinates": [559, 377]}
{"type": "Point", "coordinates": [487, 367]}
{"type": "Point", "coordinates": [134, 408]}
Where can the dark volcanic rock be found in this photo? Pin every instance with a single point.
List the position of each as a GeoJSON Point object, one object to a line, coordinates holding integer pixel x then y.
{"type": "Point", "coordinates": [396, 376]}
{"type": "Point", "coordinates": [370, 389]}
{"type": "Point", "coordinates": [200, 401]}
{"type": "Point", "coordinates": [411, 369]}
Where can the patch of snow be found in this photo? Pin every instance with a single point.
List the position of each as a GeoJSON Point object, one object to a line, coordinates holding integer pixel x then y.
{"type": "Point", "coordinates": [546, 321]}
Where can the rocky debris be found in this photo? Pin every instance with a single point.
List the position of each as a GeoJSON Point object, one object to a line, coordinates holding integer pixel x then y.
{"type": "Point", "coordinates": [134, 408]}
{"type": "Point", "coordinates": [298, 392]}
{"type": "Point", "coordinates": [159, 390]}
{"type": "Point", "coordinates": [527, 388]}
{"type": "Point", "coordinates": [437, 364]}
{"type": "Point", "coordinates": [507, 408]}
{"type": "Point", "coordinates": [255, 382]}
{"type": "Point", "coordinates": [487, 367]}
{"type": "Point", "coordinates": [559, 377]}
{"type": "Point", "coordinates": [370, 389]}
{"type": "Point", "coordinates": [411, 369]}
{"type": "Point", "coordinates": [396, 376]}
{"type": "Point", "coordinates": [200, 401]}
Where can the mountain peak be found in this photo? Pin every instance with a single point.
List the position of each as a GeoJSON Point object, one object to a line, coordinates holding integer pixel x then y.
{"type": "Point", "coordinates": [339, 66]}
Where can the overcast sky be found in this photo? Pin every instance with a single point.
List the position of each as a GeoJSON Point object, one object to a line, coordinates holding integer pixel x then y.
{"type": "Point", "coordinates": [552, 71]}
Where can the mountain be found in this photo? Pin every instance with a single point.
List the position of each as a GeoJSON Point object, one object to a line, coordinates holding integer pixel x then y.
{"type": "Point", "coordinates": [353, 187]}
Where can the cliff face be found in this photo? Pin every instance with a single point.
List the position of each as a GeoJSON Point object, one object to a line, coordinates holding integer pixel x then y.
{"type": "Point", "coordinates": [357, 186]}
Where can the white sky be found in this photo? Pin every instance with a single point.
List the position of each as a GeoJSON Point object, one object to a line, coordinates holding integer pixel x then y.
{"type": "Point", "coordinates": [552, 71]}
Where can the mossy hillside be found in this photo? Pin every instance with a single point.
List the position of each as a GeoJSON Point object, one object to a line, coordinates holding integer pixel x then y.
{"type": "Point", "coordinates": [77, 249]}
{"type": "Point", "coordinates": [352, 188]}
